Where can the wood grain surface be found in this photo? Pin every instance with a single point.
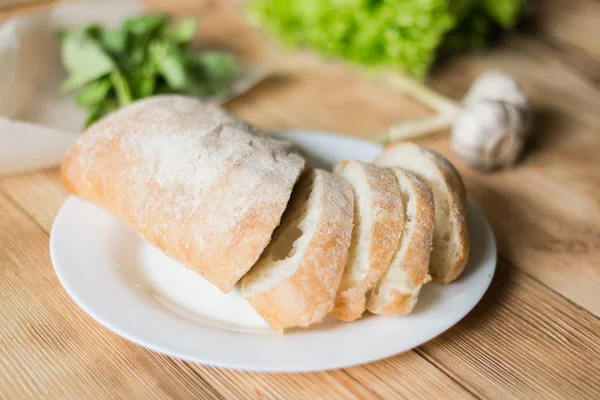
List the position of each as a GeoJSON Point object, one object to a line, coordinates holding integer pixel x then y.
{"type": "Point", "coordinates": [535, 334]}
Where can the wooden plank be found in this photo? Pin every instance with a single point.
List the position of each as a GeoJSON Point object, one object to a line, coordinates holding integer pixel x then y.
{"type": "Point", "coordinates": [40, 194]}
{"type": "Point", "coordinates": [50, 349]}
{"type": "Point", "coordinates": [288, 100]}
{"type": "Point", "coordinates": [563, 94]}
{"type": "Point", "coordinates": [321, 385]}
{"type": "Point", "coordinates": [558, 245]}
{"type": "Point", "coordinates": [573, 23]}
{"type": "Point", "coordinates": [522, 341]}
{"type": "Point", "coordinates": [404, 376]}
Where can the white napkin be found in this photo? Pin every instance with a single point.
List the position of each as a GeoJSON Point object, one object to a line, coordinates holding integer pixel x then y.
{"type": "Point", "coordinates": [37, 124]}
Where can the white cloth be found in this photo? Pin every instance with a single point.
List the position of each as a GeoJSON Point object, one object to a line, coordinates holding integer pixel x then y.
{"type": "Point", "coordinates": [37, 124]}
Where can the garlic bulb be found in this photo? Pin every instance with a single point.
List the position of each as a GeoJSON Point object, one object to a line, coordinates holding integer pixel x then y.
{"type": "Point", "coordinates": [491, 128]}
{"type": "Point", "coordinates": [497, 85]}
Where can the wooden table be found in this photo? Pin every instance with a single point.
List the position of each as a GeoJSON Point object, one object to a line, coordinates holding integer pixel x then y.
{"type": "Point", "coordinates": [536, 333]}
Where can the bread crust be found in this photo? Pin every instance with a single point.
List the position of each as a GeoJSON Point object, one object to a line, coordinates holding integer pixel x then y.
{"type": "Point", "coordinates": [387, 216]}
{"type": "Point", "coordinates": [202, 186]}
{"type": "Point", "coordinates": [457, 202]}
{"type": "Point", "coordinates": [307, 296]}
{"type": "Point", "coordinates": [415, 260]}
{"type": "Point", "coordinates": [457, 206]}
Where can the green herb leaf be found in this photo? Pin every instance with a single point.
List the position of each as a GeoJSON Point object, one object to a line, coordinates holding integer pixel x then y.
{"type": "Point", "coordinates": [94, 114]}
{"type": "Point", "coordinates": [216, 64]}
{"type": "Point", "coordinates": [121, 87]}
{"type": "Point", "coordinates": [112, 68]}
{"type": "Point", "coordinates": [146, 24]}
{"type": "Point", "coordinates": [213, 72]}
{"type": "Point", "coordinates": [114, 41]}
{"type": "Point", "coordinates": [84, 59]}
{"type": "Point", "coordinates": [143, 82]}
{"type": "Point", "coordinates": [93, 30]}
{"type": "Point", "coordinates": [94, 93]}
{"type": "Point", "coordinates": [158, 50]}
{"type": "Point", "coordinates": [184, 31]}
{"type": "Point", "coordinates": [172, 68]}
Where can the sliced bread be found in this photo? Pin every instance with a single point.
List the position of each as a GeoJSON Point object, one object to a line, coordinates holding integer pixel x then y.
{"type": "Point", "coordinates": [451, 237]}
{"type": "Point", "coordinates": [397, 291]}
{"type": "Point", "coordinates": [296, 278]}
{"type": "Point", "coordinates": [378, 221]}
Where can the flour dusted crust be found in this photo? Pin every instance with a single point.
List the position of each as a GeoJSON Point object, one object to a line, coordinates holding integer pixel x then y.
{"type": "Point", "coordinates": [379, 218]}
{"type": "Point", "coordinates": [298, 288]}
{"type": "Point", "coordinates": [202, 186]}
{"type": "Point", "coordinates": [397, 291]}
{"type": "Point", "coordinates": [451, 237]}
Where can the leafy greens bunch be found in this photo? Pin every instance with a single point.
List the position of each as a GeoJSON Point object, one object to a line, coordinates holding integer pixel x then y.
{"type": "Point", "coordinates": [404, 34]}
{"type": "Point", "coordinates": [145, 56]}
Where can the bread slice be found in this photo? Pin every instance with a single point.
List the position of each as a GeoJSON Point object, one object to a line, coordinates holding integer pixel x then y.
{"type": "Point", "coordinates": [204, 187]}
{"type": "Point", "coordinates": [295, 281]}
{"type": "Point", "coordinates": [451, 237]}
{"type": "Point", "coordinates": [378, 221]}
{"type": "Point", "coordinates": [397, 291]}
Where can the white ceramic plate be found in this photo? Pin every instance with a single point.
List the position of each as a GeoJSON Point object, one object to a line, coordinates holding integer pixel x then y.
{"type": "Point", "coordinates": [135, 290]}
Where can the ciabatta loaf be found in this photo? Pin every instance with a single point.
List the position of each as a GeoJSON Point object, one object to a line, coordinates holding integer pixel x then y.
{"type": "Point", "coordinates": [397, 291]}
{"type": "Point", "coordinates": [378, 221]}
{"type": "Point", "coordinates": [451, 237]}
{"type": "Point", "coordinates": [202, 186]}
{"type": "Point", "coordinates": [295, 281]}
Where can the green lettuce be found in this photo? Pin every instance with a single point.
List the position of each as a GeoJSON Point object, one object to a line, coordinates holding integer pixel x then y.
{"type": "Point", "coordinates": [404, 34]}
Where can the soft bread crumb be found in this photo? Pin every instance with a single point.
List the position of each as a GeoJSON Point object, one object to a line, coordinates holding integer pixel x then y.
{"type": "Point", "coordinates": [397, 291]}
{"type": "Point", "coordinates": [299, 290]}
{"type": "Point", "coordinates": [451, 238]}
{"type": "Point", "coordinates": [290, 240]}
{"type": "Point", "coordinates": [378, 224]}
